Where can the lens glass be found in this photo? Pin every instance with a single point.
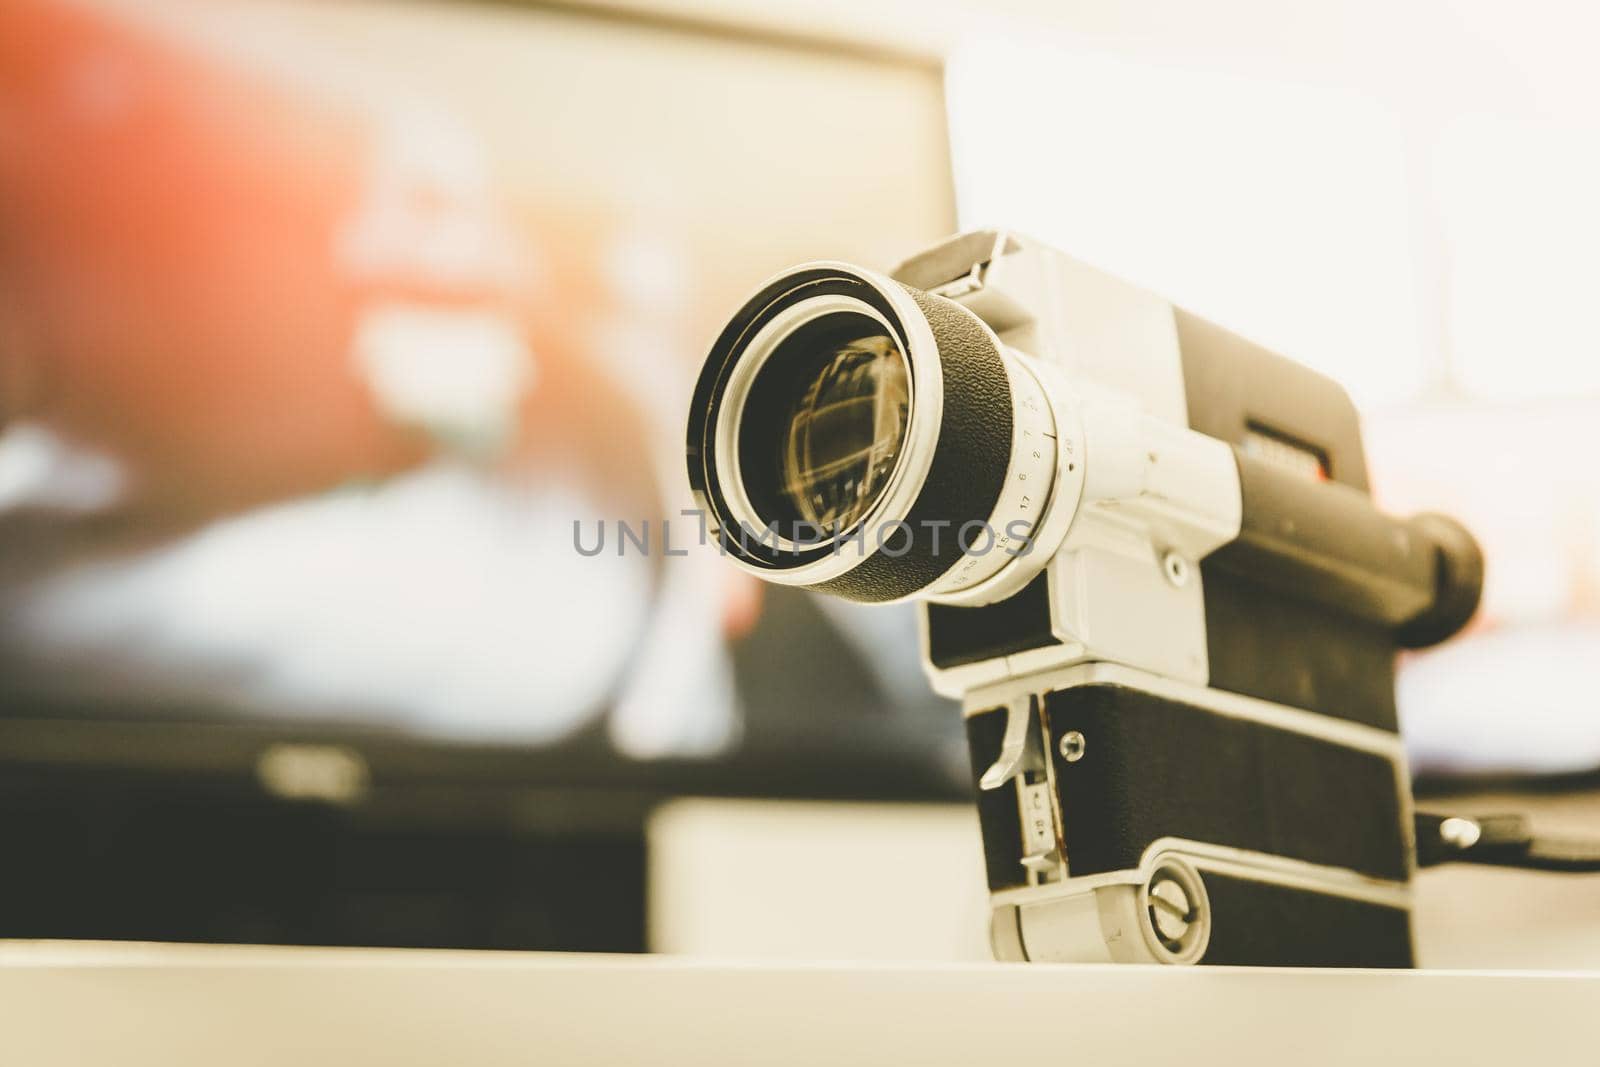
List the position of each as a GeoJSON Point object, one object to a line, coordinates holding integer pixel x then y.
{"type": "Point", "coordinates": [844, 430]}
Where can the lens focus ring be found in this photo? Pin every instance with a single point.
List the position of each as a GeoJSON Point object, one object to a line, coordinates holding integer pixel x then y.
{"type": "Point", "coordinates": [971, 454]}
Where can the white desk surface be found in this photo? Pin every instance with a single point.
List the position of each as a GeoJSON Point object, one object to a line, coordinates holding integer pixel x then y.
{"type": "Point", "coordinates": [95, 1003]}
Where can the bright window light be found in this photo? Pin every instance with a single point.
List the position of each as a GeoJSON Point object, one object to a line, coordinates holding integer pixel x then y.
{"type": "Point", "coordinates": [1280, 211]}
{"type": "Point", "coordinates": [1518, 202]}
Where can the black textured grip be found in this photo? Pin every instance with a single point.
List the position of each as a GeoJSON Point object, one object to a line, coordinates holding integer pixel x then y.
{"type": "Point", "coordinates": [969, 463]}
{"type": "Point", "coordinates": [1258, 924]}
{"type": "Point", "coordinates": [1155, 768]}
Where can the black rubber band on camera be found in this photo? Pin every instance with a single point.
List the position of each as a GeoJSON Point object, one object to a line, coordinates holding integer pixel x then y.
{"type": "Point", "coordinates": [969, 465]}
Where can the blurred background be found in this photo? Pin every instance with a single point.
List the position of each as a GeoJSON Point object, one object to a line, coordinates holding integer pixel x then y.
{"type": "Point", "coordinates": [321, 323]}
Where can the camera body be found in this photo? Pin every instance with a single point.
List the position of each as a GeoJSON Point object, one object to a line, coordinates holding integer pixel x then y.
{"type": "Point", "coordinates": [1171, 612]}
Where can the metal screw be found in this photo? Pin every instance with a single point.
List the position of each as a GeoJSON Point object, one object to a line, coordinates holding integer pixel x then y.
{"type": "Point", "coordinates": [1176, 568]}
{"type": "Point", "coordinates": [1170, 909]}
{"type": "Point", "coordinates": [1072, 746]}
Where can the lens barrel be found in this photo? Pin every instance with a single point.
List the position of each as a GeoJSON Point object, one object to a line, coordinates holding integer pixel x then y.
{"type": "Point", "coordinates": [807, 390]}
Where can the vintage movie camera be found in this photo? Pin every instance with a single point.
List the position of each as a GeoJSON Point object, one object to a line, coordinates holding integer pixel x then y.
{"type": "Point", "coordinates": [1149, 566]}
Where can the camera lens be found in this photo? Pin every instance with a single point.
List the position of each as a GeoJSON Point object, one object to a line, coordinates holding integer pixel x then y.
{"type": "Point", "coordinates": [844, 431]}
{"type": "Point", "coordinates": [812, 423]}
{"type": "Point", "coordinates": [856, 436]}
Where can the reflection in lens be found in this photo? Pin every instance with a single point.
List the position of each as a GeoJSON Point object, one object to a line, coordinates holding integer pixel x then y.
{"type": "Point", "coordinates": [845, 431]}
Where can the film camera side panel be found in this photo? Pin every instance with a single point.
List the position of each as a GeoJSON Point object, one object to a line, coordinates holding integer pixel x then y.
{"type": "Point", "coordinates": [1277, 640]}
{"type": "Point", "coordinates": [1258, 924]}
{"type": "Point", "coordinates": [1152, 768]}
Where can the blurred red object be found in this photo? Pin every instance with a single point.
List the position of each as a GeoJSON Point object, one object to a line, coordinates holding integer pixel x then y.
{"type": "Point", "coordinates": [171, 289]}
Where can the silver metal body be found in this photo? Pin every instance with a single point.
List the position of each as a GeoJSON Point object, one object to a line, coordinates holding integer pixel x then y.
{"type": "Point", "coordinates": [1137, 499]}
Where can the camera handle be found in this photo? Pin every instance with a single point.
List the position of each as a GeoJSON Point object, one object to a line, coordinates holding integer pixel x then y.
{"type": "Point", "coordinates": [1500, 841]}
